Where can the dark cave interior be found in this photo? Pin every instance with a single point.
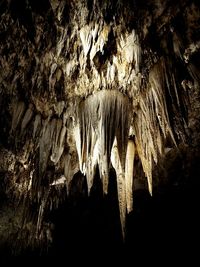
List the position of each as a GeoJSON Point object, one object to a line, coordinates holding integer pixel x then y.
{"type": "Point", "coordinates": [43, 65]}
{"type": "Point", "coordinates": [165, 224]}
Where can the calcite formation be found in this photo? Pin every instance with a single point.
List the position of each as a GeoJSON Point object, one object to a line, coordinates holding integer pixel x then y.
{"type": "Point", "coordinates": [91, 84]}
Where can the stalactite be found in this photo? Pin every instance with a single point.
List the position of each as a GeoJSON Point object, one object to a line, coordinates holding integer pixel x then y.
{"type": "Point", "coordinates": [152, 124]}
{"type": "Point", "coordinates": [77, 137]}
{"type": "Point", "coordinates": [102, 117]}
{"type": "Point", "coordinates": [55, 140]}
{"type": "Point", "coordinates": [18, 111]}
{"type": "Point", "coordinates": [130, 155]}
{"type": "Point", "coordinates": [41, 211]}
{"type": "Point", "coordinates": [45, 144]}
{"type": "Point", "coordinates": [121, 185]}
{"type": "Point", "coordinates": [86, 38]}
{"type": "Point", "coordinates": [27, 117]}
{"type": "Point", "coordinates": [37, 125]}
{"type": "Point", "coordinates": [178, 45]}
{"type": "Point", "coordinates": [58, 141]}
{"type": "Point", "coordinates": [98, 59]}
{"type": "Point", "coordinates": [71, 167]}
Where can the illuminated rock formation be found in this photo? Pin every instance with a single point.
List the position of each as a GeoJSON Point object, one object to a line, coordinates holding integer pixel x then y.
{"type": "Point", "coordinates": [87, 85]}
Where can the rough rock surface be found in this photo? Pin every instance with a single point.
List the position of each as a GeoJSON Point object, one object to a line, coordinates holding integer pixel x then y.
{"type": "Point", "coordinates": [87, 85]}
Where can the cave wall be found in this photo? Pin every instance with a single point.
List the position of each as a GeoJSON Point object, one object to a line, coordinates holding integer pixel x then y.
{"type": "Point", "coordinates": [55, 54]}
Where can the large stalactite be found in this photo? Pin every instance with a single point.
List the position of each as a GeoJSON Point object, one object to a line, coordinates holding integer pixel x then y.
{"type": "Point", "coordinates": [87, 85]}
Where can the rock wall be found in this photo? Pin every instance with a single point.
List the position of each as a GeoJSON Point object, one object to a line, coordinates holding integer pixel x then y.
{"type": "Point", "coordinates": [66, 67]}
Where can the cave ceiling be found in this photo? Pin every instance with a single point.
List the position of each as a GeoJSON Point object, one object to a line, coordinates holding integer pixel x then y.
{"type": "Point", "coordinates": [94, 84]}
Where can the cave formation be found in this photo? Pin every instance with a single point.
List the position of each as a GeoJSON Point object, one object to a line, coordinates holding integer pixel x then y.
{"type": "Point", "coordinates": [99, 126]}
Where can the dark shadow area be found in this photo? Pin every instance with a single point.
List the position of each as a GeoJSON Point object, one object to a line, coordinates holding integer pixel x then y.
{"type": "Point", "coordinates": [163, 226]}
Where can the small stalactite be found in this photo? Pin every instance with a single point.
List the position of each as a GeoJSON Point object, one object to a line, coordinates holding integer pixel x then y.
{"type": "Point", "coordinates": [18, 111]}
{"type": "Point", "coordinates": [27, 118]}
{"type": "Point", "coordinates": [37, 125]}
{"type": "Point", "coordinates": [58, 141]}
{"type": "Point", "coordinates": [121, 185]}
{"type": "Point", "coordinates": [70, 165]}
{"type": "Point", "coordinates": [45, 144]}
{"type": "Point", "coordinates": [130, 155]}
